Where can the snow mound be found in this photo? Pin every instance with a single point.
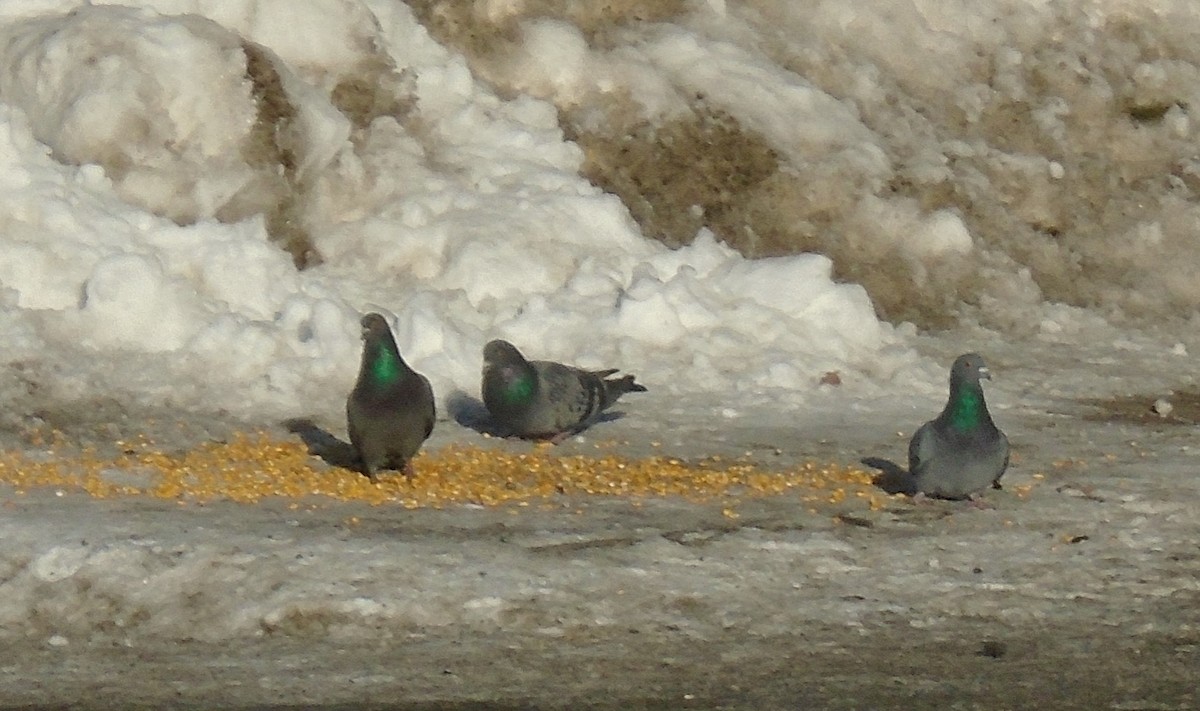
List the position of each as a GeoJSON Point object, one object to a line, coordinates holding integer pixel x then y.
{"type": "Point", "coordinates": [142, 209]}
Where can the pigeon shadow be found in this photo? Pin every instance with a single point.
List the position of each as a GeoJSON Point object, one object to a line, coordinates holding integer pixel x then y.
{"type": "Point", "coordinates": [607, 416]}
{"type": "Point", "coordinates": [892, 478]}
{"type": "Point", "coordinates": [470, 412]}
{"type": "Point", "coordinates": [324, 445]}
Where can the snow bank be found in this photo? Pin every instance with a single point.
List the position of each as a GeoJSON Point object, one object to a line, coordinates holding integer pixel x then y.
{"type": "Point", "coordinates": [139, 214]}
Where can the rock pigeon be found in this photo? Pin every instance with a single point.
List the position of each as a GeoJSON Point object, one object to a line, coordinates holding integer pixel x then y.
{"type": "Point", "coordinates": [544, 399]}
{"type": "Point", "coordinates": [961, 452]}
{"type": "Point", "coordinates": [390, 412]}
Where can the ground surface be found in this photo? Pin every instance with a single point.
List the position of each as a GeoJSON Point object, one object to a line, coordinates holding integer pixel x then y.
{"type": "Point", "coordinates": [1078, 586]}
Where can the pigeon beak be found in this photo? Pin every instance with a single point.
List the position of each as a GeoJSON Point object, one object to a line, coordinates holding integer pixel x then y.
{"type": "Point", "coordinates": [984, 373]}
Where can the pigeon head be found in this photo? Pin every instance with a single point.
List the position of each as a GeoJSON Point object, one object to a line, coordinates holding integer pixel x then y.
{"type": "Point", "coordinates": [381, 359]}
{"type": "Point", "coordinates": [374, 325]}
{"type": "Point", "coordinates": [507, 373]}
{"type": "Point", "coordinates": [969, 368]}
{"type": "Point", "coordinates": [500, 352]}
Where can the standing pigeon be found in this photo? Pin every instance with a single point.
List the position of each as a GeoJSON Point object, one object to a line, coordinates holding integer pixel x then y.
{"type": "Point", "coordinates": [540, 398]}
{"type": "Point", "coordinates": [390, 412]}
{"type": "Point", "coordinates": [961, 452]}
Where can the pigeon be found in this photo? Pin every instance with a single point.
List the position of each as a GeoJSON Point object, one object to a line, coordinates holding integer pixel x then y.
{"type": "Point", "coordinates": [540, 399]}
{"type": "Point", "coordinates": [390, 412]}
{"type": "Point", "coordinates": [960, 453]}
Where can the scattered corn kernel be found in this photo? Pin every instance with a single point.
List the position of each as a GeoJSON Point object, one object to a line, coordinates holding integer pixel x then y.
{"type": "Point", "coordinates": [250, 467]}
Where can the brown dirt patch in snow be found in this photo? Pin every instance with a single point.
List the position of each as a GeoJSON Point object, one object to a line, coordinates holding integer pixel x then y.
{"type": "Point", "coordinates": [1146, 409]}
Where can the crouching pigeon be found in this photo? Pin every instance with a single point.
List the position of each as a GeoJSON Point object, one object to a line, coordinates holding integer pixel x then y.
{"type": "Point", "coordinates": [541, 398]}
{"type": "Point", "coordinates": [960, 453]}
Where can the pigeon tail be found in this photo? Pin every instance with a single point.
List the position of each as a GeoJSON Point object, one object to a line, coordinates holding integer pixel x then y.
{"type": "Point", "coordinates": [892, 478]}
{"type": "Point", "coordinates": [616, 387]}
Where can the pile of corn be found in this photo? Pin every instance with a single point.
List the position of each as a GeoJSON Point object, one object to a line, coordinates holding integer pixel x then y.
{"type": "Point", "coordinates": [251, 467]}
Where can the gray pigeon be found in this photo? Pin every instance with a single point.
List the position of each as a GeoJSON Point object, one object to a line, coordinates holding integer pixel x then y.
{"type": "Point", "coordinates": [540, 398]}
{"type": "Point", "coordinates": [390, 412]}
{"type": "Point", "coordinates": [960, 453]}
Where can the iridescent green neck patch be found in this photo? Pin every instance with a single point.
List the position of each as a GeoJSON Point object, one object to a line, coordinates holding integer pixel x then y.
{"type": "Point", "coordinates": [967, 409]}
{"type": "Point", "coordinates": [519, 390]}
{"type": "Point", "coordinates": [386, 366]}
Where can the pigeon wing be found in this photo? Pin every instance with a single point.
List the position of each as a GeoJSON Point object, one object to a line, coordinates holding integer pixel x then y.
{"type": "Point", "coordinates": [921, 448]}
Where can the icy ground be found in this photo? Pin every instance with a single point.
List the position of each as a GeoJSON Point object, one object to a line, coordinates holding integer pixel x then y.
{"type": "Point", "coordinates": [1076, 588]}
{"type": "Point", "coordinates": [198, 198]}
